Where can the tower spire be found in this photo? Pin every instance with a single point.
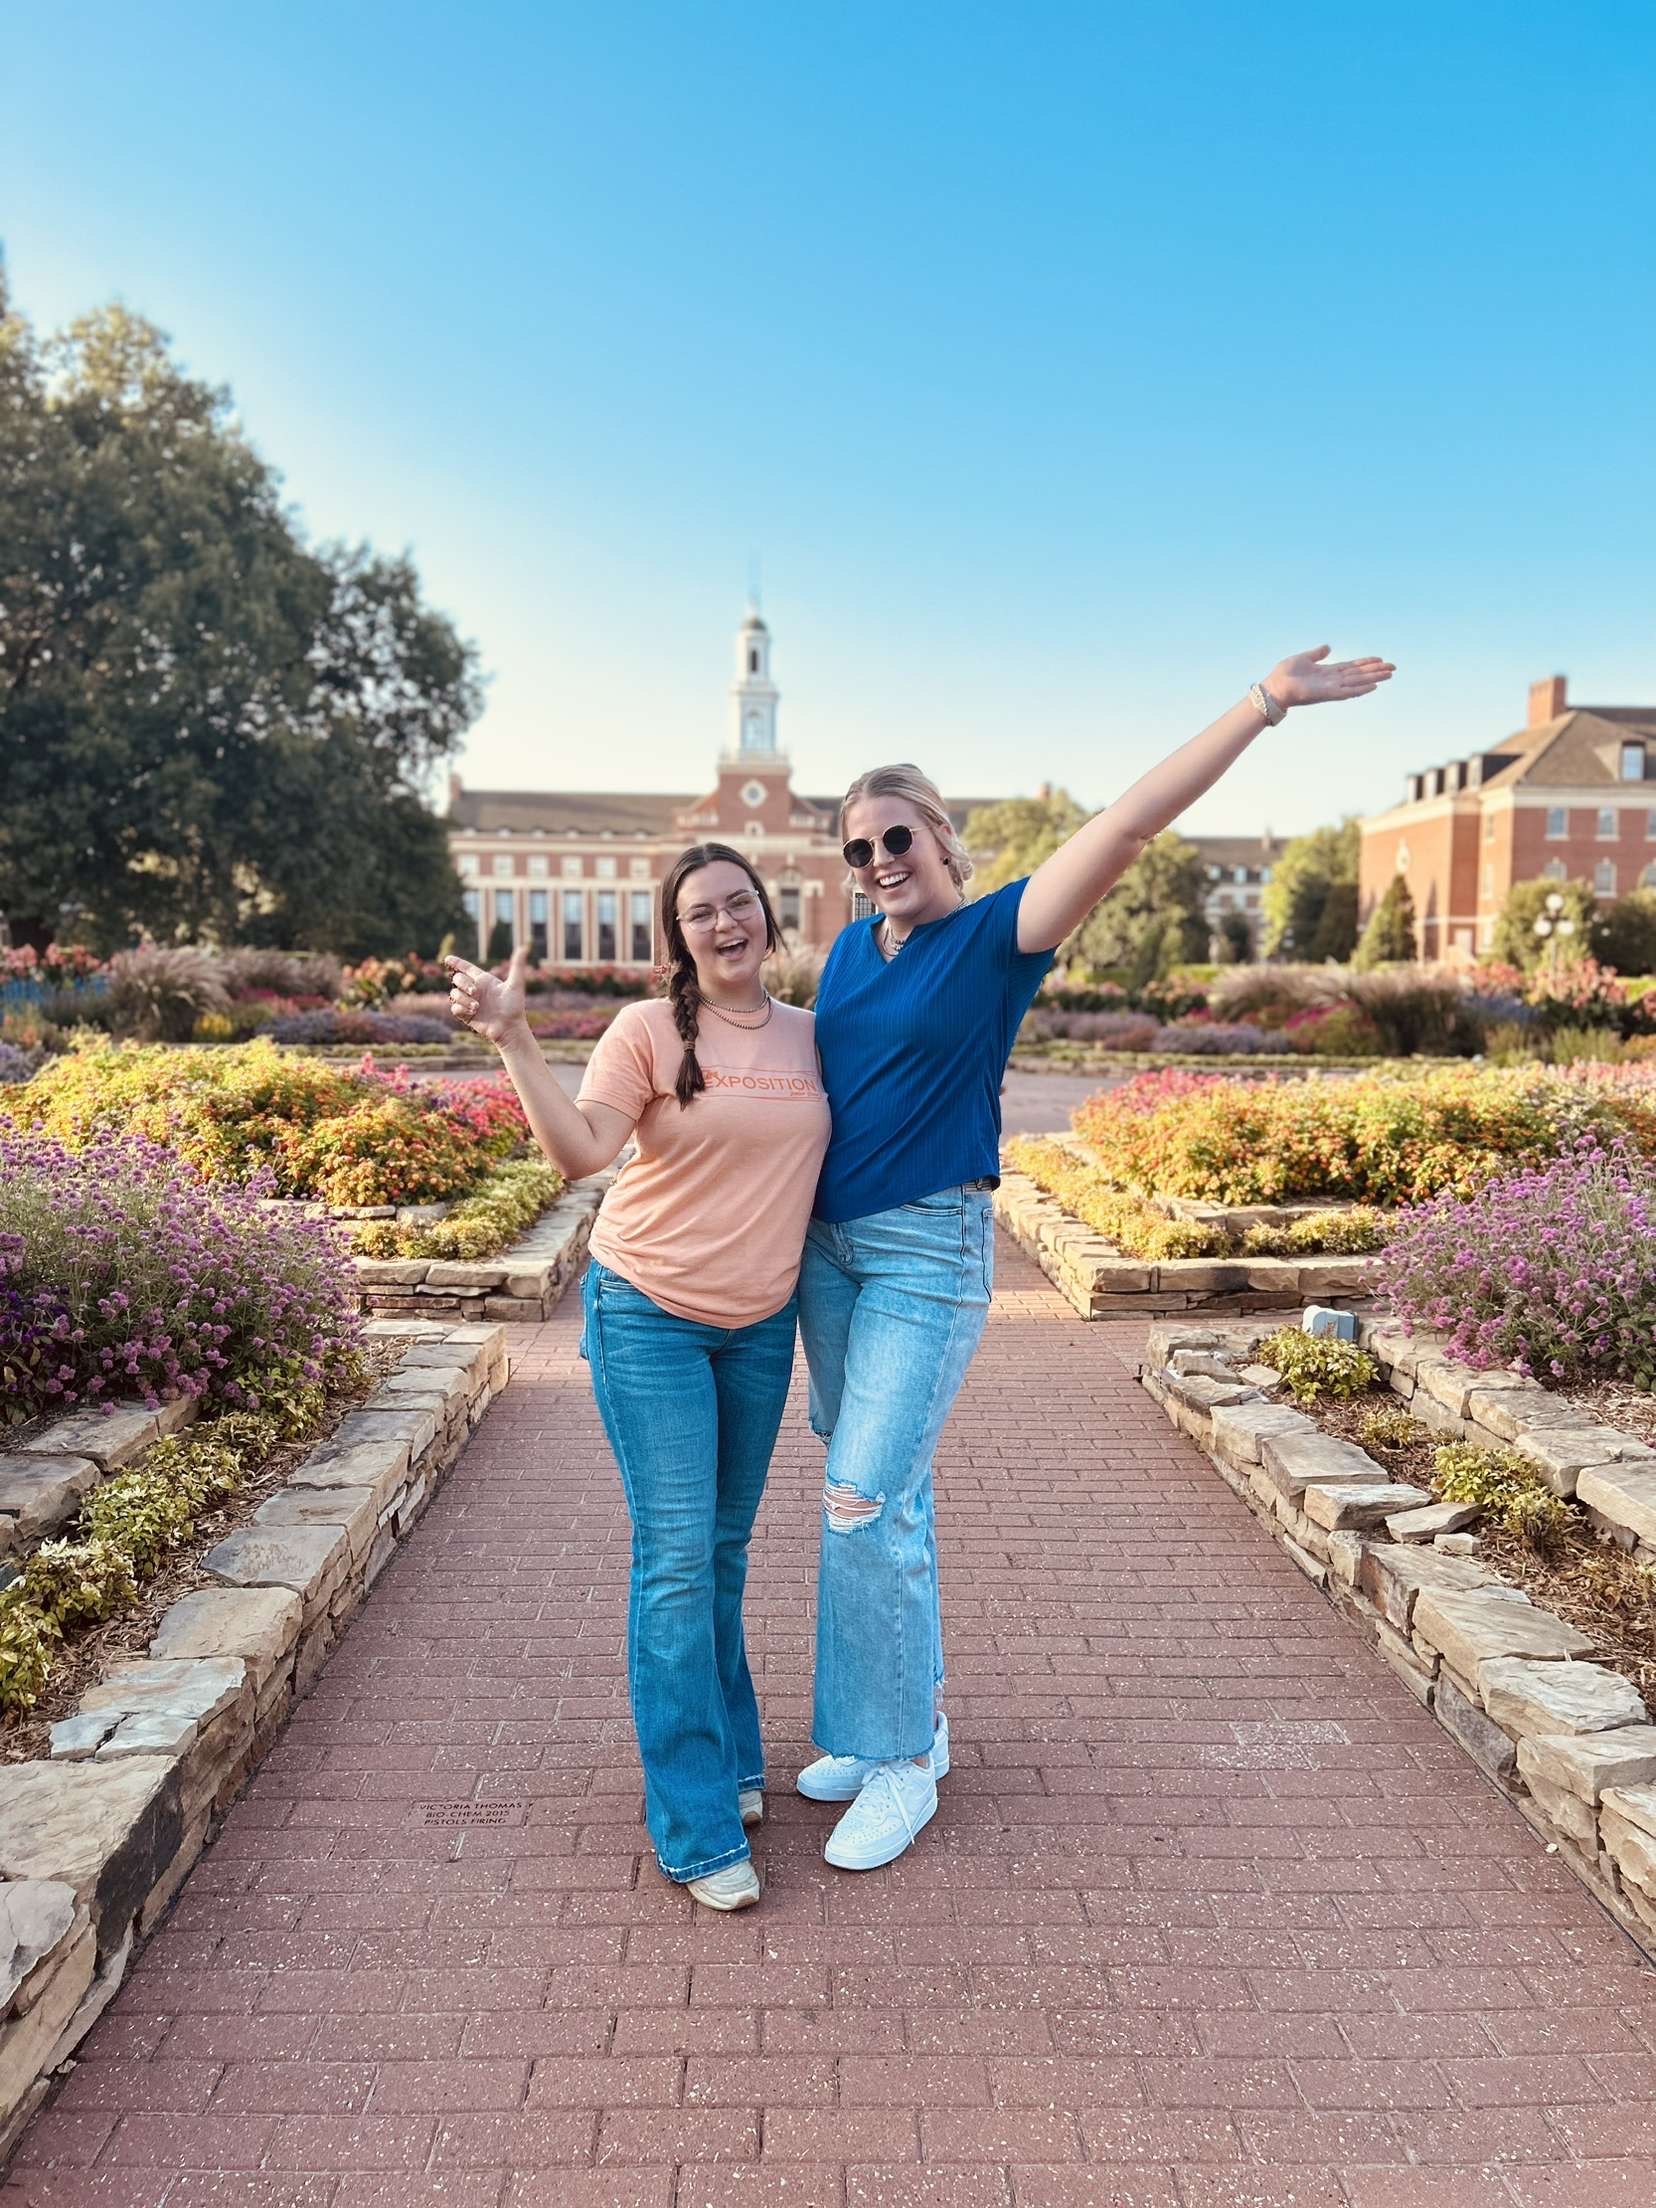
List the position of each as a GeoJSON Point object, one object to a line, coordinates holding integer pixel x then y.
{"type": "Point", "coordinates": [753, 694]}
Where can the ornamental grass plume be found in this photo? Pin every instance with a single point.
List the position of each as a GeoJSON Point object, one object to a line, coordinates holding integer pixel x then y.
{"type": "Point", "coordinates": [1551, 1270]}
{"type": "Point", "coordinates": [122, 1273]}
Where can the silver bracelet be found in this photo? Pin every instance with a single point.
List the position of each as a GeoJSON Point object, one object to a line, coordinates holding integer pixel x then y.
{"type": "Point", "coordinates": [1263, 702]}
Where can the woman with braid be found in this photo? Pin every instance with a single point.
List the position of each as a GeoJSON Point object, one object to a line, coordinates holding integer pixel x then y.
{"type": "Point", "coordinates": [689, 1318]}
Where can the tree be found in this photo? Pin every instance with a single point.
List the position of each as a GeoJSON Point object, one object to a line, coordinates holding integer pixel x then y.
{"type": "Point", "coordinates": [1152, 920]}
{"type": "Point", "coordinates": [1516, 941]}
{"type": "Point", "coordinates": [500, 943]}
{"type": "Point", "coordinates": [1017, 834]}
{"type": "Point", "coordinates": [208, 729]}
{"type": "Point", "coordinates": [1235, 946]}
{"type": "Point", "coordinates": [1390, 933]}
{"type": "Point", "coordinates": [1309, 904]}
{"type": "Point", "coordinates": [1627, 933]}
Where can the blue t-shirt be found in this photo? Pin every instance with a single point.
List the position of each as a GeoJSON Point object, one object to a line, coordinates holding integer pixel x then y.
{"type": "Point", "coordinates": [913, 1050]}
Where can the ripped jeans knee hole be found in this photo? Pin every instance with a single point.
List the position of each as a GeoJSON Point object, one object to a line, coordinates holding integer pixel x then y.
{"type": "Point", "coordinates": [845, 1509]}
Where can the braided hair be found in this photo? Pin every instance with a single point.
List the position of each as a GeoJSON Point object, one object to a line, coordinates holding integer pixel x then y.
{"type": "Point", "coordinates": [683, 988]}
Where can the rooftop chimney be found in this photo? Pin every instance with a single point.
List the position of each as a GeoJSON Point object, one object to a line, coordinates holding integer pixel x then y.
{"type": "Point", "coordinates": [455, 787]}
{"type": "Point", "coordinates": [1546, 700]}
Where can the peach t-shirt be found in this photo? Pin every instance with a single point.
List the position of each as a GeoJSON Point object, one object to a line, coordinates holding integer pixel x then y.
{"type": "Point", "coordinates": [709, 1218]}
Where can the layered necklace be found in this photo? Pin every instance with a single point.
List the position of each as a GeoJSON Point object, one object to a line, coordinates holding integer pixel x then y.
{"type": "Point", "coordinates": [749, 1026]}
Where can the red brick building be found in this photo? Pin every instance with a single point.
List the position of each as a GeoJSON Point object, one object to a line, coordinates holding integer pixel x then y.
{"type": "Point", "coordinates": [1569, 797]}
{"type": "Point", "coordinates": [576, 874]}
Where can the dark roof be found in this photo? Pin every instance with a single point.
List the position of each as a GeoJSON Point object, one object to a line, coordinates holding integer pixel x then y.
{"type": "Point", "coordinates": [1580, 747]}
{"type": "Point", "coordinates": [566, 812]}
{"type": "Point", "coordinates": [1254, 851]}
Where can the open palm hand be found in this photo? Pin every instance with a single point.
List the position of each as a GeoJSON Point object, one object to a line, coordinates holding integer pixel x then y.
{"type": "Point", "coordinates": [487, 1003]}
{"type": "Point", "coordinates": [1312, 678]}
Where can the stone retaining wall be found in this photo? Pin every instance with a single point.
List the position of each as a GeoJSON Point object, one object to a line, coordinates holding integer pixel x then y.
{"type": "Point", "coordinates": [521, 1285]}
{"type": "Point", "coordinates": [1102, 1284]}
{"type": "Point", "coordinates": [1610, 1474]}
{"type": "Point", "coordinates": [1569, 1741]}
{"type": "Point", "coordinates": [96, 1839]}
{"type": "Point", "coordinates": [47, 1474]}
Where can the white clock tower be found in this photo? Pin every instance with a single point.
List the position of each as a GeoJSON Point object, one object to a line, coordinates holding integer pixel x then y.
{"type": "Point", "coordinates": [754, 696]}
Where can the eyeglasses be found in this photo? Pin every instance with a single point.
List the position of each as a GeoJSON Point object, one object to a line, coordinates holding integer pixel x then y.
{"type": "Point", "coordinates": [860, 852]}
{"type": "Point", "coordinates": [740, 908]}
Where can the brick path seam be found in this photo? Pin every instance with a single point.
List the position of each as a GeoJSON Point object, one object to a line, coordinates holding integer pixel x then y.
{"type": "Point", "coordinates": [1212, 1915]}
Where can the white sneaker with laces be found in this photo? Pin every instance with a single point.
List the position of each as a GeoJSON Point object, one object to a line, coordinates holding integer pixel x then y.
{"type": "Point", "coordinates": [735, 1887]}
{"type": "Point", "coordinates": [750, 1805]}
{"type": "Point", "coordinates": [898, 1800]}
{"type": "Point", "coordinates": [842, 1778]}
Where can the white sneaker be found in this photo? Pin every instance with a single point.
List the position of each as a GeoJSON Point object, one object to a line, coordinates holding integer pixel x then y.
{"type": "Point", "coordinates": [897, 1802]}
{"type": "Point", "coordinates": [735, 1887]}
{"type": "Point", "coordinates": [842, 1778]}
{"type": "Point", "coordinates": [750, 1805]}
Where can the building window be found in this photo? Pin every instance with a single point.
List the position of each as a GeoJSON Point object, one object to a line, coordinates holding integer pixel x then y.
{"type": "Point", "coordinates": [639, 949]}
{"type": "Point", "coordinates": [574, 925]}
{"type": "Point", "coordinates": [572, 869]}
{"type": "Point", "coordinates": [1607, 824]}
{"type": "Point", "coordinates": [501, 863]}
{"type": "Point", "coordinates": [753, 659]}
{"type": "Point", "coordinates": [1239, 873]}
{"type": "Point", "coordinates": [468, 862]}
{"type": "Point", "coordinates": [753, 793]}
{"type": "Point", "coordinates": [1632, 762]}
{"type": "Point", "coordinates": [537, 866]}
{"type": "Point", "coordinates": [606, 870]}
{"type": "Point", "coordinates": [1604, 878]}
{"type": "Point", "coordinates": [1558, 823]}
{"type": "Point", "coordinates": [504, 913]}
{"type": "Point", "coordinates": [1554, 870]}
{"type": "Point", "coordinates": [1489, 827]}
{"type": "Point", "coordinates": [639, 869]}
{"type": "Point", "coordinates": [606, 927]}
{"type": "Point", "coordinates": [788, 906]}
{"type": "Point", "coordinates": [538, 932]}
{"type": "Point", "coordinates": [1647, 880]}
{"type": "Point", "coordinates": [472, 899]}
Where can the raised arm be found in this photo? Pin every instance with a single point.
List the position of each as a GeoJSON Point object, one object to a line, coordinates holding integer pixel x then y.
{"type": "Point", "coordinates": [578, 1138]}
{"type": "Point", "coordinates": [1066, 887]}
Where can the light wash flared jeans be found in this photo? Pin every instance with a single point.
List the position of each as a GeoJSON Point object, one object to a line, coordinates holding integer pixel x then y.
{"type": "Point", "coordinates": [692, 1414]}
{"type": "Point", "coordinates": [891, 1308]}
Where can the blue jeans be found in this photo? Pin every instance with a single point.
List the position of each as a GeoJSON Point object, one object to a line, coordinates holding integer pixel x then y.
{"type": "Point", "coordinates": [691, 1413]}
{"type": "Point", "coordinates": [891, 1308]}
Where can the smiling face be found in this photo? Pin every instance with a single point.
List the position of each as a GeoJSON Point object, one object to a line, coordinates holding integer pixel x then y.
{"type": "Point", "coordinates": [723, 925]}
{"type": "Point", "coordinates": [914, 886]}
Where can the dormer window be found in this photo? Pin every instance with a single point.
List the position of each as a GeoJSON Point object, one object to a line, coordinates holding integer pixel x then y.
{"type": "Point", "coordinates": [1632, 762]}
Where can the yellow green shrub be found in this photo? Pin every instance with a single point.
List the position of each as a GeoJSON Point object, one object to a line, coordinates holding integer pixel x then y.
{"type": "Point", "coordinates": [1315, 1365]}
{"type": "Point", "coordinates": [1508, 1487]}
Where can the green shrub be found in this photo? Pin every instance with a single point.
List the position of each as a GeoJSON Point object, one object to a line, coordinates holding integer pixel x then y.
{"type": "Point", "coordinates": [480, 1225]}
{"type": "Point", "coordinates": [1315, 1365]}
{"type": "Point", "coordinates": [1510, 1490]}
{"type": "Point", "coordinates": [1391, 1427]}
{"type": "Point", "coordinates": [1136, 1228]}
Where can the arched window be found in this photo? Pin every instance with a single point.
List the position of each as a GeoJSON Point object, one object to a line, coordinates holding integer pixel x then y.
{"type": "Point", "coordinates": [1604, 878]}
{"type": "Point", "coordinates": [1647, 880]}
{"type": "Point", "coordinates": [1554, 870]}
{"type": "Point", "coordinates": [753, 659]}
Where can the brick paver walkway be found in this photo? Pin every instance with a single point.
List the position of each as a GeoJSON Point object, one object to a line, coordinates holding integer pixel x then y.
{"type": "Point", "coordinates": [1212, 1914]}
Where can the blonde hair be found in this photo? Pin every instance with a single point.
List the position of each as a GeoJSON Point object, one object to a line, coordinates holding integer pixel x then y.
{"type": "Point", "coordinates": [920, 791]}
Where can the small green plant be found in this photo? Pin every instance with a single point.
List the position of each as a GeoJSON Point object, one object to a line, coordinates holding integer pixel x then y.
{"type": "Point", "coordinates": [1391, 1427]}
{"type": "Point", "coordinates": [1351, 1232]}
{"type": "Point", "coordinates": [1315, 1365]}
{"type": "Point", "coordinates": [1507, 1486]}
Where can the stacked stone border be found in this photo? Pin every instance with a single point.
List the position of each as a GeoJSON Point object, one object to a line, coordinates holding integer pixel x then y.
{"type": "Point", "coordinates": [1570, 1742]}
{"type": "Point", "coordinates": [520, 1286]}
{"type": "Point", "coordinates": [47, 1475]}
{"type": "Point", "coordinates": [1103, 1284]}
{"type": "Point", "coordinates": [97, 1838]}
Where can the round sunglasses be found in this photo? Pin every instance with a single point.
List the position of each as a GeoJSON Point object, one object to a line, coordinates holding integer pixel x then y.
{"type": "Point", "coordinates": [860, 852]}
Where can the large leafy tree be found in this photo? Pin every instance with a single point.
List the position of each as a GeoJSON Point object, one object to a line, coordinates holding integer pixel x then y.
{"type": "Point", "coordinates": [208, 728]}
{"type": "Point", "coordinates": [1309, 905]}
{"type": "Point", "coordinates": [1151, 920]}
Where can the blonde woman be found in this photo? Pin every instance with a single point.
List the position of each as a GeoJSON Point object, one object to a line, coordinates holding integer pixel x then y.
{"type": "Point", "coordinates": [916, 1017]}
{"type": "Point", "coordinates": [689, 1305]}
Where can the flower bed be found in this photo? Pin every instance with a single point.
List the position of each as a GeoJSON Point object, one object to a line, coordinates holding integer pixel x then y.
{"type": "Point", "coordinates": [1384, 1139]}
{"type": "Point", "coordinates": [357, 1137]}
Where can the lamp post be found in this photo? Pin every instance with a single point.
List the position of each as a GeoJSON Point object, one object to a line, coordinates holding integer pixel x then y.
{"type": "Point", "coordinates": [1552, 929]}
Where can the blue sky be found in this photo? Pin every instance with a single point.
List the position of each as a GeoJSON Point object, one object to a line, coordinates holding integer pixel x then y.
{"type": "Point", "coordinates": [1063, 365]}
